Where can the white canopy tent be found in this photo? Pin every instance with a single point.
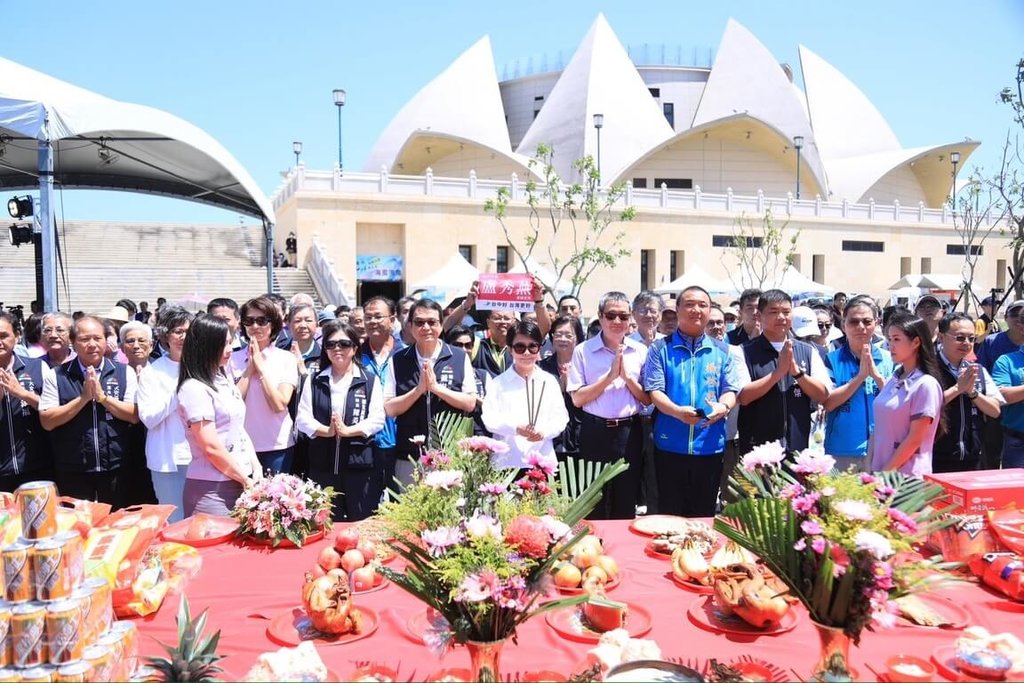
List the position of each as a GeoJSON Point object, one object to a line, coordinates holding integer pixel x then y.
{"type": "Point", "coordinates": [791, 281]}
{"type": "Point", "coordinates": [529, 265]}
{"type": "Point", "coordinates": [456, 273]}
{"type": "Point", "coordinates": [944, 281]}
{"type": "Point", "coordinates": [696, 276]}
{"type": "Point", "coordinates": [53, 133]}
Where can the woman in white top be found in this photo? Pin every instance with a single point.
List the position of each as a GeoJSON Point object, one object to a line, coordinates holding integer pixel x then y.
{"type": "Point", "coordinates": [167, 450]}
{"type": "Point", "coordinates": [340, 410]}
{"type": "Point", "coordinates": [524, 405]}
{"type": "Point", "coordinates": [223, 462]}
{"type": "Point", "coordinates": [267, 381]}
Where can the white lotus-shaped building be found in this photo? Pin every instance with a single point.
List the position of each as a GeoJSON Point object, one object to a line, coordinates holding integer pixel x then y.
{"type": "Point", "coordinates": [732, 126]}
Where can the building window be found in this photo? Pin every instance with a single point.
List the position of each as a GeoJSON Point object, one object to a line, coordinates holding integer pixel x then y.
{"type": "Point", "coordinates": [862, 245]}
{"type": "Point", "coordinates": [926, 265]}
{"type": "Point", "coordinates": [677, 266]}
{"type": "Point", "coordinates": [535, 112]}
{"type": "Point", "coordinates": [674, 183]}
{"type": "Point", "coordinates": [906, 265]}
{"type": "Point", "coordinates": [655, 92]}
{"type": "Point", "coordinates": [646, 268]}
{"type": "Point", "coordinates": [670, 113]}
{"type": "Point", "coordinates": [501, 262]}
{"type": "Point", "coordinates": [538, 98]}
{"type": "Point", "coordinates": [961, 250]}
{"type": "Point", "coordinates": [1001, 273]}
{"type": "Point", "coordinates": [640, 183]}
{"type": "Point", "coordinates": [468, 252]}
{"type": "Point", "coordinates": [818, 268]}
{"type": "Point", "coordinates": [735, 240]}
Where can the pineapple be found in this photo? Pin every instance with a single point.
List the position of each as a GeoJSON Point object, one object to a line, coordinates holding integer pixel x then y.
{"type": "Point", "coordinates": [193, 659]}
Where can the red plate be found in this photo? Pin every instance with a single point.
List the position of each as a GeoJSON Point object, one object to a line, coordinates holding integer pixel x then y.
{"type": "Point", "coordinates": [651, 552]}
{"type": "Point", "coordinates": [384, 583]}
{"type": "Point", "coordinates": [705, 614]}
{"type": "Point", "coordinates": [754, 669]}
{"type": "Point", "coordinates": [221, 529]}
{"type": "Point", "coordinates": [370, 671]}
{"type": "Point", "coordinates": [420, 622]}
{"type": "Point", "coordinates": [569, 624]}
{"type": "Point", "coordinates": [293, 626]}
{"type": "Point", "coordinates": [693, 586]}
{"type": "Point", "coordinates": [451, 674]}
{"type": "Point", "coordinates": [945, 659]}
{"type": "Point", "coordinates": [579, 591]}
{"type": "Point", "coordinates": [285, 543]}
{"type": "Point", "coordinates": [652, 525]}
{"type": "Point", "coordinates": [946, 608]}
{"type": "Point", "coordinates": [542, 676]}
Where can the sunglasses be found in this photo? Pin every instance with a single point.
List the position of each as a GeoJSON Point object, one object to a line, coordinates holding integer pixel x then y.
{"type": "Point", "coordinates": [857, 322]}
{"type": "Point", "coordinates": [261, 321]}
{"type": "Point", "coordinates": [532, 347]}
{"type": "Point", "coordinates": [420, 322]}
{"type": "Point", "coordinates": [332, 344]}
{"type": "Point", "coordinates": [612, 317]}
{"type": "Point", "coordinates": [961, 338]}
{"type": "Point", "coordinates": [462, 345]}
{"type": "Point", "coordinates": [824, 326]}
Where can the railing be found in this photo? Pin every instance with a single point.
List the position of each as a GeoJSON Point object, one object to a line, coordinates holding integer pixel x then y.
{"type": "Point", "coordinates": [301, 179]}
{"type": "Point", "coordinates": [646, 54]}
{"type": "Point", "coordinates": [327, 282]}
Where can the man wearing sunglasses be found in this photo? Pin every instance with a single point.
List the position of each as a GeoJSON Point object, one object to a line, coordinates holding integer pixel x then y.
{"type": "Point", "coordinates": [424, 380]}
{"type": "Point", "coordinates": [993, 347]}
{"type": "Point", "coordinates": [604, 380]}
{"type": "Point", "coordinates": [968, 394]}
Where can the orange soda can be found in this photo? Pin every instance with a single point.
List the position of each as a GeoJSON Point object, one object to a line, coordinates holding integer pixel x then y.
{"type": "Point", "coordinates": [99, 660]}
{"type": "Point", "coordinates": [75, 672]}
{"type": "Point", "coordinates": [74, 554]}
{"type": "Point", "coordinates": [64, 631]}
{"type": "Point", "coordinates": [17, 571]}
{"type": "Point", "coordinates": [129, 634]}
{"type": "Point", "coordinates": [51, 574]}
{"type": "Point", "coordinates": [28, 635]}
{"type": "Point", "coordinates": [5, 635]}
{"type": "Point", "coordinates": [96, 592]}
{"type": "Point", "coordinates": [37, 501]}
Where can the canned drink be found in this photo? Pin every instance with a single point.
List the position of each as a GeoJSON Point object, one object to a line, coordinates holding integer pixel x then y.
{"type": "Point", "coordinates": [38, 674]}
{"type": "Point", "coordinates": [28, 635]}
{"type": "Point", "coordinates": [5, 635]}
{"type": "Point", "coordinates": [74, 555]}
{"type": "Point", "coordinates": [51, 574]}
{"type": "Point", "coordinates": [64, 642]}
{"type": "Point", "coordinates": [37, 501]}
{"type": "Point", "coordinates": [76, 672]}
{"type": "Point", "coordinates": [115, 643]}
{"type": "Point", "coordinates": [97, 595]}
{"type": "Point", "coordinates": [18, 572]}
{"type": "Point", "coordinates": [129, 634]}
{"type": "Point", "coordinates": [98, 658]}
{"type": "Point", "coordinates": [8, 675]}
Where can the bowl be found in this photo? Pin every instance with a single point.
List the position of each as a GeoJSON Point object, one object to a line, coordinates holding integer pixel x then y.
{"type": "Point", "coordinates": [909, 669]}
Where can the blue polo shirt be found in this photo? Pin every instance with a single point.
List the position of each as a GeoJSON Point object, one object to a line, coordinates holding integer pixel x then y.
{"type": "Point", "coordinates": [691, 372]}
{"type": "Point", "coordinates": [994, 347]}
{"type": "Point", "coordinates": [386, 437]}
{"type": "Point", "coordinates": [848, 427]}
{"type": "Point", "coordinates": [1009, 372]}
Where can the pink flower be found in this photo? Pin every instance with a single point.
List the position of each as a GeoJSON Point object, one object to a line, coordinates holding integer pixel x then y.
{"type": "Point", "coordinates": [883, 576]}
{"type": "Point", "coordinates": [443, 479]}
{"type": "Point", "coordinates": [440, 539]}
{"type": "Point", "coordinates": [800, 545]}
{"type": "Point", "coordinates": [818, 545]}
{"type": "Point", "coordinates": [483, 444]}
{"type": "Point", "coordinates": [492, 489]}
{"type": "Point", "coordinates": [557, 529]}
{"type": "Point", "coordinates": [854, 510]}
{"type": "Point", "coordinates": [810, 462]}
{"type": "Point", "coordinates": [791, 491]}
{"type": "Point", "coordinates": [474, 588]}
{"type": "Point", "coordinates": [810, 527]}
{"type": "Point", "coordinates": [529, 536]}
{"type": "Point", "coordinates": [545, 463]}
{"type": "Point", "coordinates": [765, 455]}
{"type": "Point", "coordinates": [902, 522]}
{"type": "Point", "coordinates": [866, 478]}
{"type": "Point", "coordinates": [806, 504]}
{"type": "Point", "coordinates": [840, 560]}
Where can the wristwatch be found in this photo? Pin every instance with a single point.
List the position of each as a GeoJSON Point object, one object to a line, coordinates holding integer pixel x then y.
{"type": "Point", "coordinates": [799, 374]}
{"type": "Point", "coordinates": [973, 395]}
{"type": "Point", "coordinates": [102, 400]}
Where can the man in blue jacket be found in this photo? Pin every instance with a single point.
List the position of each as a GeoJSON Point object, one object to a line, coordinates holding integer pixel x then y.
{"type": "Point", "coordinates": [692, 382]}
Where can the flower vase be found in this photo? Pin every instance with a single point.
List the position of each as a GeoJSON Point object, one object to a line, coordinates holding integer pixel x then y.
{"type": "Point", "coordinates": [484, 658]}
{"type": "Point", "coordinates": [834, 659]}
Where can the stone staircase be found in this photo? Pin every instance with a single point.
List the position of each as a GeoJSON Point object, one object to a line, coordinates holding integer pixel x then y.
{"type": "Point", "coordinates": [290, 281]}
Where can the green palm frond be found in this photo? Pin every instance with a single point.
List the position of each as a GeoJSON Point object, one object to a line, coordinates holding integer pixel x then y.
{"type": "Point", "coordinates": [447, 429]}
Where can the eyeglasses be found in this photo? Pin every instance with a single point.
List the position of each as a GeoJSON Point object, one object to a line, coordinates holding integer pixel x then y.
{"type": "Point", "coordinates": [649, 311]}
{"type": "Point", "coordinates": [376, 318]}
{"type": "Point", "coordinates": [260, 321]}
{"type": "Point", "coordinates": [333, 344]}
{"type": "Point", "coordinates": [55, 330]}
{"type": "Point", "coordinates": [612, 317]}
{"type": "Point", "coordinates": [178, 332]}
{"type": "Point", "coordinates": [564, 335]}
{"type": "Point", "coordinates": [462, 345]}
{"type": "Point", "coordinates": [824, 326]}
{"type": "Point", "coordinates": [132, 341]}
{"type": "Point", "coordinates": [961, 338]}
{"type": "Point", "coordinates": [421, 322]}
{"type": "Point", "coordinates": [532, 347]}
{"type": "Point", "coordinates": [858, 322]}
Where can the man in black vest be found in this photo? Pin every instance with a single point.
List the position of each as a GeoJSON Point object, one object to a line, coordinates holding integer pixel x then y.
{"type": "Point", "coordinates": [787, 377]}
{"type": "Point", "coordinates": [424, 380]}
{"type": "Point", "coordinates": [88, 408]}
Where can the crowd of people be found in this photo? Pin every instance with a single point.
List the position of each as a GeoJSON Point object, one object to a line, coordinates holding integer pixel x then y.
{"type": "Point", "coordinates": [189, 409]}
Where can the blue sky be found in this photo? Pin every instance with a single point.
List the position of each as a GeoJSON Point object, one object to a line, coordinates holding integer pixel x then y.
{"type": "Point", "coordinates": [258, 75]}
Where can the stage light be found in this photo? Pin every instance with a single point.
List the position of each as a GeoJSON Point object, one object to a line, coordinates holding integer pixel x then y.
{"type": "Point", "coordinates": [20, 207]}
{"type": "Point", "coordinates": [20, 234]}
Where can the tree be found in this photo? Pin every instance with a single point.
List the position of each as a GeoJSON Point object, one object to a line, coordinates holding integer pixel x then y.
{"type": "Point", "coordinates": [976, 215]}
{"type": "Point", "coordinates": [580, 214]}
{"type": "Point", "coordinates": [759, 253]}
{"type": "Point", "coordinates": [1007, 184]}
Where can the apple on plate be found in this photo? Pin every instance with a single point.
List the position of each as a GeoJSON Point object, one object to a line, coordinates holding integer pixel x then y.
{"type": "Point", "coordinates": [346, 539]}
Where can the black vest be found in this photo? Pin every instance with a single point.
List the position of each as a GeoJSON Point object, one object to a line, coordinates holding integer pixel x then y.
{"type": "Point", "coordinates": [784, 413]}
{"type": "Point", "coordinates": [964, 423]}
{"type": "Point", "coordinates": [493, 363]}
{"type": "Point", "coordinates": [23, 443]}
{"type": "Point", "coordinates": [327, 454]}
{"type": "Point", "coordinates": [93, 440]}
{"type": "Point", "coordinates": [450, 370]}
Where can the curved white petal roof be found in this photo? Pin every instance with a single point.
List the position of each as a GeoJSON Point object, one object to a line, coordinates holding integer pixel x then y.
{"type": "Point", "coordinates": [746, 77]}
{"type": "Point", "coordinates": [463, 101]}
{"type": "Point", "coordinates": [599, 79]}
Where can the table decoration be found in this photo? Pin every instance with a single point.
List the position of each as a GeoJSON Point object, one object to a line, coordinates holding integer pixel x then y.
{"type": "Point", "coordinates": [839, 541]}
{"type": "Point", "coordinates": [283, 510]}
{"type": "Point", "coordinates": [480, 542]}
{"type": "Point", "coordinates": [200, 530]}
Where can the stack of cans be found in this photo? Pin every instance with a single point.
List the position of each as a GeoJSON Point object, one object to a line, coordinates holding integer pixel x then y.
{"type": "Point", "coordinates": [56, 625]}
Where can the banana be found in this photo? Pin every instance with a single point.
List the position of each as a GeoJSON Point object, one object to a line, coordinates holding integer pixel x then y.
{"type": "Point", "coordinates": [688, 564]}
{"type": "Point", "coordinates": [730, 553]}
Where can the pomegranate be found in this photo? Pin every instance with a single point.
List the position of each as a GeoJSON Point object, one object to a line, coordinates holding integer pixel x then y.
{"type": "Point", "coordinates": [352, 560]}
{"type": "Point", "coordinates": [329, 559]}
{"type": "Point", "coordinates": [346, 539]}
{"type": "Point", "coordinates": [328, 603]}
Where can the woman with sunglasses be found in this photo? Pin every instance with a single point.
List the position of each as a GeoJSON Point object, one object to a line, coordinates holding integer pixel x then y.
{"type": "Point", "coordinates": [524, 405]}
{"type": "Point", "coordinates": [908, 409]}
{"type": "Point", "coordinates": [267, 381]}
{"type": "Point", "coordinates": [341, 408]}
{"type": "Point", "coordinates": [566, 333]}
{"type": "Point", "coordinates": [223, 458]}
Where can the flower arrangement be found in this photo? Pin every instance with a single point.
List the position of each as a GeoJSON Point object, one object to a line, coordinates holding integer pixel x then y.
{"type": "Point", "coordinates": [479, 541]}
{"type": "Point", "coordinates": [840, 541]}
{"type": "Point", "coordinates": [283, 508]}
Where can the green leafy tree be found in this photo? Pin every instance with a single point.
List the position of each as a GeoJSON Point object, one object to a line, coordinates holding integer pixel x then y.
{"type": "Point", "coordinates": [579, 216]}
{"type": "Point", "coordinates": [760, 251]}
{"type": "Point", "coordinates": [1007, 183]}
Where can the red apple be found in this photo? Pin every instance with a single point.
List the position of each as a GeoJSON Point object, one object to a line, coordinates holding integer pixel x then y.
{"type": "Point", "coordinates": [346, 539]}
{"type": "Point", "coordinates": [352, 560]}
{"type": "Point", "coordinates": [363, 578]}
{"type": "Point", "coordinates": [317, 571]}
{"type": "Point", "coordinates": [329, 559]}
{"type": "Point", "coordinates": [368, 548]}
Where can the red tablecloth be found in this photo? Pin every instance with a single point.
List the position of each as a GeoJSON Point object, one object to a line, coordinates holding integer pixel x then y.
{"type": "Point", "coordinates": [245, 586]}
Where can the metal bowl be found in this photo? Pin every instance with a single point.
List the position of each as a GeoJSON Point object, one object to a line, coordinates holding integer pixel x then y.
{"type": "Point", "coordinates": [652, 670]}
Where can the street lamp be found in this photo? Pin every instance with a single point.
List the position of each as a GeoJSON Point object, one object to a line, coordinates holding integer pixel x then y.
{"type": "Point", "coordinates": [339, 102]}
{"type": "Point", "coordinates": [954, 158]}
{"type": "Point", "coordinates": [297, 151]}
{"type": "Point", "coordinates": [798, 143]}
{"type": "Point", "coordinates": [599, 124]}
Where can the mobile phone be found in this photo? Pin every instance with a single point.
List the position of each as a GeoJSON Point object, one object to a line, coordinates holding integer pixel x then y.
{"type": "Point", "coordinates": [700, 412]}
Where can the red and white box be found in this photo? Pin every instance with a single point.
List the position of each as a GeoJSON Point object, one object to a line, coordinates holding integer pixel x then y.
{"type": "Point", "coordinates": [976, 492]}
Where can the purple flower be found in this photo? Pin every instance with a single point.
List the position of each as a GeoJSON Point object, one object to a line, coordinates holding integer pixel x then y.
{"type": "Point", "coordinates": [806, 504]}
{"type": "Point", "coordinates": [440, 539]}
{"type": "Point", "coordinates": [818, 544]}
{"type": "Point", "coordinates": [800, 545]}
{"type": "Point", "coordinates": [810, 462]}
{"type": "Point", "coordinates": [902, 522]}
{"type": "Point", "coordinates": [811, 527]}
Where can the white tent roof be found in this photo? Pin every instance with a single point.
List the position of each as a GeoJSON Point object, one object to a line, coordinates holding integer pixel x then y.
{"type": "Point", "coordinates": [143, 149]}
{"type": "Point", "coordinates": [947, 281]}
{"type": "Point", "coordinates": [456, 273]}
{"type": "Point", "coordinates": [790, 280]}
{"type": "Point", "coordinates": [545, 275]}
{"type": "Point", "coordinates": [696, 276]}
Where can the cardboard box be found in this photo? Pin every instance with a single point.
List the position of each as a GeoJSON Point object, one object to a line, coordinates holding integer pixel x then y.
{"type": "Point", "coordinates": [982, 490]}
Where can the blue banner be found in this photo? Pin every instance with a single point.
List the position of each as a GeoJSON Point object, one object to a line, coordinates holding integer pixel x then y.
{"type": "Point", "coordinates": [379, 267]}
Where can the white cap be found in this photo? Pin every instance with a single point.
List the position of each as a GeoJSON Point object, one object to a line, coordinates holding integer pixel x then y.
{"type": "Point", "coordinates": [805, 322]}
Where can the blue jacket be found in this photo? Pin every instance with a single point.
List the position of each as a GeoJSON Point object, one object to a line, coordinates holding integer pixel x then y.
{"type": "Point", "coordinates": [848, 427]}
{"type": "Point", "coordinates": [691, 373]}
